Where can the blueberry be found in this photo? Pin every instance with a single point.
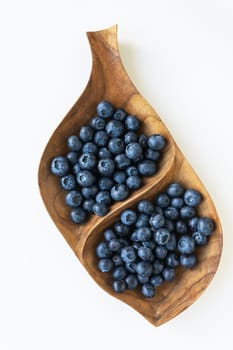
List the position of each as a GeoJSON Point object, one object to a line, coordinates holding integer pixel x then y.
{"type": "Point", "coordinates": [175, 190]}
{"type": "Point", "coordinates": [134, 237]}
{"type": "Point", "coordinates": [134, 182]}
{"type": "Point", "coordinates": [87, 161]}
{"type": "Point", "coordinates": [160, 252]}
{"type": "Point", "coordinates": [128, 217]}
{"type": "Point", "coordinates": [119, 177]}
{"type": "Point", "coordinates": [119, 114]}
{"type": "Point", "coordinates": [187, 212]}
{"type": "Point", "coordinates": [121, 229]}
{"type": "Point", "coordinates": [156, 280]}
{"type": "Point", "coordinates": [101, 138]}
{"type": "Point", "coordinates": [143, 234]}
{"type": "Point", "coordinates": [132, 171]}
{"type": "Point", "coordinates": [145, 206]}
{"type": "Point", "coordinates": [68, 182]}
{"type": "Point", "coordinates": [105, 265]}
{"type": "Point", "coordinates": [156, 142]}
{"type": "Point", "coordinates": [158, 266]}
{"type": "Point", "coordinates": [74, 143]}
{"type": "Point", "coordinates": [89, 192]}
{"type": "Point", "coordinates": [128, 254]}
{"type": "Point", "coordinates": [106, 167]}
{"type": "Point", "coordinates": [104, 109]}
{"type": "Point", "coordinates": [78, 215]}
{"type": "Point", "coordinates": [85, 178]}
{"type": "Point", "coordinates": [187, 260]}
{"type": "Point", "coordinates": [171, 244]}
{"type": "Point", "coordinates": [105, 183]}
{"type": "Point", "coordinates": [104, 153]}
{"type": "Point", "coordinates": [152, 155]}
{"type": "Point", "coordinates": [148, 290]}
{"type": "Point", "coordinates": [181, 227]}
{"type": "Point", "coordinates": [172, 260]}
{"type": "Point", "coordinates": [103, 250]}
{"type": "Point", "coordinates": [119, 273]}
{"type": "Point", "coordinates": [162, 236]}
{"type": "Point", "coordinates": [117, 260]}
{"type": "Point", "coordinates": [103, 197]}
{"type": "Point", "coordinates": [119, 286]}
{"type": "Point", "coordinates": [131, 267]}
{"type": "Point", "coordinates": [144, 268]}
{"type": "Point", "coordinates": [119, 192]}
{"type": "Point", "coordinates": [192, 224]}
{"type": "Point", "coordinates": [199, 238]}
{"type": "Point", "coordinates": [100, 209]}
{"type": "Point", "coordinates": [88, 205]}
{"type": "Point", "coordinates": [145, 253]}
{"type": "Point", "coordinates": [114, 245]}
{"type": "Point", "coordinates": [168, 274]}
{"type": "Point", "coordinates": [157, 220]}
{"type": "Point", "coordinates": [143, 279]}
{"type": "Point", "coordinates": [131, 281]}
{"type": "Point", "coordinates": [90, 147]}
{"type": "Point", "coordinates": [132, 123]}
{"type": "Point", "coordinates": [122, 162]}
{"type": "Point", "coordinates": [74, 199]}
{"type": "Point", "coordinates": [169, 225]}
{"type": "Point", "coordinates": [133, 151]}
{"type": "Point", "coordinates": [177, 202]}
{"type": "Point", "coordinates": [115, 128]}
{"type": "Point", "coordinates": [109, 234]}
{"type": "Point", "coordinates": [72, 157]}
{"type": "Point", "coordinates": [149, 244]}
{"type": "Point", "coordinates": [158, 210]}
{"type": "Point", "coordinates": [192, 197]}
{"type": "Point", "coordinates": [130, 136]}
{"type": "Point", "coordinates": [162, 200]}
{"type": "Point", "coordinates": [116, 145]}
{"type": "Point", "coordinates": [98, 123]}
{"type": "Point", "coordinates": [147, 167]}
{"type": "Point", "coordinates": [142, 220]}
{"type": "Point", "coordinates": [142, 140]}
{"type": "Point", "coordinates": [171, 213]}
{"type": "Point", "coordinates": [76, 168]}
{"type": "Point", "coordinates": [205, 226]}
{"type": "Point", "coordinates": [86, 133]}
{"type": "Point", "coordinates": [59, 166]}
{"type": "Point", "coordinates": [186, 245]}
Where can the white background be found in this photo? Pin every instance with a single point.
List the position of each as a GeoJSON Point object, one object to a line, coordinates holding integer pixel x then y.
{"type": "Point", "coordinates": [180, 56]}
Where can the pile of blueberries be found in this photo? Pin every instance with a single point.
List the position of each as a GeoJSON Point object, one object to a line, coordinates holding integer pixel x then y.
{"type": "Point", "coordinates": [106, 162]}
{"type": "Point", "coordinates": [146, 244]}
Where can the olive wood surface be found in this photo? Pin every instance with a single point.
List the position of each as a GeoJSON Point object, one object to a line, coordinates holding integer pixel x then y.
{"type": "Point", "coordinates": [109, 81]}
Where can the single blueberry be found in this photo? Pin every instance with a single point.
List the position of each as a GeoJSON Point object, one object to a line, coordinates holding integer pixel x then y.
{"type": "Point", "coordinates": [160, 251]}
{"type": "Point", "coordinates": [145, 206]}
{"type": "Point", "coordinates": [177, 202]}
{"type": "Point", "coordinates": [68, 182]}
{"type": "Point", "coordinates": [128, 217]}
{"type": "Point", "coordinates": [119, 273]}
{"type": "Point", "coordinates": [186, 245]}
{"type": "Point", "coordinates": [143, 279]}
{"type": "Point", "coordinates": [132, 171]}
{"type": "Point", "coordinates": [134, 182]}
{"type": "Point", "coordinates": [168, 274]}
{"type": "Point", "coordinates": [98, 123]}
{"type": "Point", "coordinates": [128, 254]}
{"type": "Point", "coordinates": [101, 138]}
{"type": "Point", "coordinates": [72, 157]}
{"type": "Point", "coordinates": [192, 224]}
{"type": "Point", "coordinates": [181, 227]}
{"type": "Point", "coordinates": [115, 128]}
{"type": "Point", "coordinates": [172, 260]}
{"type": "Point", "coordinates": [144, 268]}
{"type": "Point", "coordinates": [73, 199]}
{"type": "Point", "coordinates": [148, 290]}
{"type": "Point", "coordinates": [103, 197]}
{"type": "Point", "coordinates": [156, 280]}
{"type": "Point", "coordinates": [152, 155]}
{"type": "Point", "coordinates": [162, 236]}
{"type": "Point", "coordinates": [142, 220]}
{"type": "Point", "coordinates": [122, 162]}
{"type": "Point", "coordinates": [187, 260]}
{"type": "Point", "coordinates": [59, 166]}
{"type": "Point", "coordinates": [104, 153]}
{"type": "Point", "coordinates": [158, 266]}
{"type": "Point", "coordinates": [205, 226]}
{"type": "Point", "coordinates": [87, 161]}
{"type": "Point", "coordinates": [169, 225]}
{"type": "Point", "coordinates": [119, 286]}
{"type": "Point", "coordinates": [103, 250]}
{"type": "Point", "coordinates": [74, 143]}
{"type": "Point", "coordinates": [89, 192]}
{"type": "Point", "coordinates": [171, 244]}
{"type": "Point", "coordinates": [187, 212]}
{"type": "Point", "coordinates": [175, 190]}
{"type": "Point", "coordinates": [117, 260]}
{"type": "Point", "coordinates": [162, 200]}
{"type": "Point", "coordinates": [119, 114]}
{"type": "Point", "coordinates": [119, 177]}
{"type": "Point", "coordinates": [86, 133]}
{"type": "Point", "coordinates": [90, 147]}
{"type": "Point", "coordinates": [100, 209]}
{"type": "Point", "coordinates": [105, 265]}
{"type": "Point", "coordinates": [192, 197]}
{"type": "Point", "coordinates": [142, 140]}
{"type": "Point", "coordinates": [85, 178]}
{"type": "Point", "coordinates": [132, 123]}
{"type": "Point", "coordinates": [130, 267]}
{"type": "Point", "coordinates": [121, 229]}
{"type": "Point", "coordinates": [130, 136]}
{"type": "Point", "coordinates": [143, 234]}
{"type": "Point", "coordinates": [131, 281]}
{"type": "Point", "coordinates": [156, 142]}
{"type": "Point", "coordinates": [116, 145]}
{"type": "Point", "coordinates": [171, 213]}
{"type": "Point", "coordinates": [199, 238]}
{"type": "Point", "coordinates": [105, 109]}
{"type": "Point", "coordinates": [157, 220]}
{"type": "Point", "coordinates": [78, 215]}
{"type": "Point", "coordinates": [109, 234]}
{"type": "Point", "coordinates": [133, 151]}
{"type": "Point", "coordinates": [105, 183]}
{"type": "Point", "coordinates": [106, 167]}
{"type": "Point", "coordinates": [119, 192]}
{"type": "Point", "coordinates": [88, 205]}
{"type": "Point", "coordinates": [134, 237]}
{"type": "Point", "coordinates": [145, 253]}
{"type": "Point", "coordinates": [147, 167]}
{"type": "Point", "coordinates": [76, 168]}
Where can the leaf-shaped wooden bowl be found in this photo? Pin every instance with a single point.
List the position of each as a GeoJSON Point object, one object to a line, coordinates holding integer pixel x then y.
{"type": "Point", "coordinates": [109, 81]}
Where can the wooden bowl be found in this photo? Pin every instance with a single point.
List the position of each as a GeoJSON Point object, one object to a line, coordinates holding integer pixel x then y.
{"type": "Point", "coordinates": [109, 81]}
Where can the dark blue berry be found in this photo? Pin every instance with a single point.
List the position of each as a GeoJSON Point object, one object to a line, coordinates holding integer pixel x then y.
{"type": "Point", "coordinates": [192, 224]}
{"type": "Point", "coordinates": [115, 128]}
{"type": "Point", "coordinates": [168, 274]}
{"type": "Point", "coordinates": [105, 265]}
{"type": "Point", "coordinates": [199, 238]}
{"type": "Point", "coordinates": [109, 234]}
{"type": "Point", "coordinates": [106, 167]}
{"type": "Point", "coordinates": [205, 226]}
{"type": "Point", "coordinates": [162, 200]}
{"type": "Point", "coordinates": [186, 245]}
{"type": "Point", "coordinates": [156, 280]}
{"type": "Point", "coordinates": [157, 220]}
{"type": "Point", "coordinates": [156, 142]}
{"type": "Point", "coordinates": [175, 190]}
{"type": "Point", "coordinates": [192, 197]}
{"type": "Point", "coordinates": [105, 183]}
{"type": "Point", "coordinates": [133, 151]}
{"type": "Point", "coordinates": [128, 217]}
{"type": "Point", "coordinates": [85, 178]}
{"type": "Point", "coordinates": [100, 209]}
{"type": "Point", "coordinates": [103, 197]}
{"type": "Point", "coordinates": [142, 140]}
{"type": "Point", "coordinates": [76, 168]}
{"type": "Point", "coordinates": [131, 281]}
{"type": "Point", "coordinates": [181, 227]}
{"type": "Point", "coordinates": [119, 177]}
{"type": "Point", "coordinates": [147, 167]}
{"type": "Point", "coordinates": [171, 244]}
{"type": "Point", "coordinates": [73, 199]}
{"type": "Point", "coordinates": [171, 213]}
{"type": "Point", "coordinates": [78, 215]}
{"type": "Point", "coordinates": [145, 253]}
{"type": "Point", "coordinates": [87, 161]}
{"type": "Point", "coordinates": [144, 268]}
{"type": "Point", "coordinates": [134, 182]}
{"type": "Point", "coordinates": [145, 206]}
{"type": "Point", "coordinates": [130, 136]}
{"type": "Point", "coordinates": [104, 153]}
{"type": "Point", "coordinates": [121, 229]}
{"type": "Point", "coordinates": [162, 236]}
{"type": "Point", "coordinates": [172, 260]}
{"type": "Point", "coordinates": [149, 244]}
{"type": "Point", "coordinates": [72, 157]}
{"type": "Point", "coordinates": [169, 225]}
{"type": "Point", "coordinates": [132, 171]}
{"type": "Point", "coordinates": [98, 123]}
{"type": "Point", "coordinates": [103, 250]}
{"type": "Point", "coordinates": [119, 286]}
{"type": "Point", "coordinates": [86, 133]}
{"type": "Point", "coordinates": [142, 220]}
{"type": "Point", "coordinates": [59, 166]}
{"type": "Point", "coordinates": [128, 254]}
{"type": "Point", "coordinates": [119, 273]}
{"type": "Point", "coordinates": [117, 260]}
{"type": "Point", "coordinates": [143, 279]}
{"type": "Point", "coordinates": [104, 109]}
{"type": "Point", "coordinates": [68, 182]}
{"type": "Point", "coordinates": [160, 251]}
{"type": "Point", "coordinates": [187, 212]}
{"type": "Point", "coordinates": [101, 138]}
{"type": "Point", "coordinates": [119, 114]}
{"type": "Point", "coordinates": [177, 202]}
{"type": "Point", "coordinates": [131, 267]}
{"type": "Point", "coordinates": [143, 233]}
{"type": "Point", "coordinates": [187, 260]}
{"type": "Point", "coordinates": [89, 192]}
{"type": "Point", "coordinates": [119, 192]}
{"type": "Point", "coordinates": [158, 266]}
{"type": "Point", "coordinates": [114, 245]}
{"type": "Point", "coordinates": [132, 123]}
{"type": "Point", "coordinates": [148, 290]}
{"type": "Point", "coordinates": [122, 162]}
{"type": "Point", "coordinates": [88, 205]}
{"type": "Point", "coordinates": [116, 145]}
{"type": "Point", "coordinates": [74, 143]}
{"type": "Point", "coordinates": [90, 147]}
{"type": "Point", "coordinates": [152, 155]}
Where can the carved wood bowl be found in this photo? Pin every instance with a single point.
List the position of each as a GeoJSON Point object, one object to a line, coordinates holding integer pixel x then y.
{"type": "Point", "coordinates": [109, 81]}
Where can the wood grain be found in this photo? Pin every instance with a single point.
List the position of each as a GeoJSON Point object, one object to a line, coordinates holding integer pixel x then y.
{"type": "Point", "coordinates": [109, 81]}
